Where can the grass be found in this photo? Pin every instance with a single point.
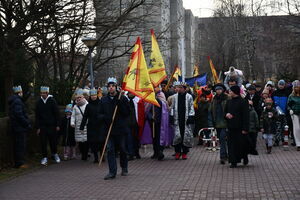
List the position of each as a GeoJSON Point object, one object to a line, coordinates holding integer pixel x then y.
{"type": "Point", "coordinates": [9, 173]}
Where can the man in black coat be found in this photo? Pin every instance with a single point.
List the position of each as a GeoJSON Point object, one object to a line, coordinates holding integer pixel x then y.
{"type": "Point", "coordinates": [19, 125]}
{"type": "Point", "coordinates": [117, 138]}
{"type": "Point", "coordinates": [47, 124]}
{"type": "Point", "coordinates": [237, 115]}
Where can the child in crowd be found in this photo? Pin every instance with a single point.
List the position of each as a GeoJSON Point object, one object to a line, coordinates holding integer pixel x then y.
{"type": "Point", "coordinates": [253, 124]}
{"type": "Point", "coordinates": [67, 131]}
{"type": "Point", "coordinates": [268, 123]}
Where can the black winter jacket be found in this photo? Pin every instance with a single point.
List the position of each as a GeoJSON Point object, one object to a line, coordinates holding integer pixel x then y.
{"type": "Point", "coordinates": [47, 114]}
{"type": "Point", "coordinates": [17, 114]}
{"type": "Point", "coordinates": [239, 108]}
{"type": "Point", "coordinates": [108, 104]}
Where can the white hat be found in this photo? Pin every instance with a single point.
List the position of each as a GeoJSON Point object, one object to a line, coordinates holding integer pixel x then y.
{"type": "Point", "coordinates": [111, 80]}
{"type": "Point", "coordinates": [45, 89]}
{"type": "Point", "coordinates": [17, 89]}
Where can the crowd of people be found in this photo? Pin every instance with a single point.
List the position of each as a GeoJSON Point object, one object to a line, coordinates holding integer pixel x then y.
{"type": "Point", "coordinates": [237, 112]}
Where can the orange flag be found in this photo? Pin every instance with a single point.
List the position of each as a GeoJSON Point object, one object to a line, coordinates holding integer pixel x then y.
{"type": "Point", "coordinates": [177, 73]}
{"type": "Point", "coordinates": [157, 72]}
{"type": "Point", "coordinates": [213, 71]}
{"type": "Point", "coordinates": [136, 79]}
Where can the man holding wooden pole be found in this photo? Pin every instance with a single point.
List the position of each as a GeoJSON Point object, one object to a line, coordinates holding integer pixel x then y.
{"type": "Point", "coordinates": [117, 138]}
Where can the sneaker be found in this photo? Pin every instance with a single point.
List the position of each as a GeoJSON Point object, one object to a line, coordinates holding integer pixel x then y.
{"type": "Point", "coordinates": [184, 156]}
{"type": "Point", "coordinates": [44, 161]}
{"type": "Point", "coordinates": [109, 176]}
{"type": "Point", "coordinates": [56, 158]}
{"type": "Point", "coordinates": [177, 156]}
{"type": "Point", "coordinates": [222, 161]}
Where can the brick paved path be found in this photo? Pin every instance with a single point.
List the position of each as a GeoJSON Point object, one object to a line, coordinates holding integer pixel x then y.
{"type": "Point", "coordinates": [275, 176]}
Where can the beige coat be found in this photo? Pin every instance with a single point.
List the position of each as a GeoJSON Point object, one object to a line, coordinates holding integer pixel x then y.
{"type": "Point", "coordinates": [76, 118]}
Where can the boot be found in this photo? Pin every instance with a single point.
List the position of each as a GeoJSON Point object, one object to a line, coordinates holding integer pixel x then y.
{"type": "Point", "coordinates": [184, 156]}
{"type": "Point", "coordinates": [269, 150]}
{"type": "Point", "coordinates": [160, 156]}
{"type": "Point", "coordinates": [73, 152]}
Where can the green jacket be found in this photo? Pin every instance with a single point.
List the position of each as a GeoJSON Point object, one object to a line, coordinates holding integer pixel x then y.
{"type": "Point", "coordinates": [217, 108]}
{"type": "Point", "coordinates": [253, 121]}
{"type": "Point", "coordinates": [294, 104]}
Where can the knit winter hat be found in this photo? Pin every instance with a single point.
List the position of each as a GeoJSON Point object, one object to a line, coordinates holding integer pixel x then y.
{"type": "Point", "coordinates": [235, 89]}
{"type": "Point", "coordinates": [281, 82]}
{"type": "Point", "coordinates": [269, 101]}
{"type": "Point", "coordinates": [68, 108]}
{"type": "Point", "coordinates": [296, 83]}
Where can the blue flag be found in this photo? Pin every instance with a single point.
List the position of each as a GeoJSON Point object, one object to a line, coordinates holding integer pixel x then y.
{"type": "Point", "coordinates": [200, 79]}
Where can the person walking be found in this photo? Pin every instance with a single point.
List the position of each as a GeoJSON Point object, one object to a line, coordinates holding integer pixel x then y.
{"type": "Point", "coordinates": [76, 119]}
{"type": "Point", "coordinates": [20, 125]}
{"type": "Point", "coordinates": [182, 116]}
{"type": "Point", "coordinates": [91, 117]}
{"type": "Point", "coordinates": [294, 109]}
{"type": "Point", "coordinates": [237, 115]}
{"type": "Point", "coordinates": [117, 138]}
{"type": "Point", "coordinates": [47, 124]}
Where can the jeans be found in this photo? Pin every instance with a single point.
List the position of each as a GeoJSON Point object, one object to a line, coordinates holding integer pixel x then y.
{"type": "Point", "coordinates": [116, 142]}
{"type": "Point", "coordinates": [269, 139]}
{"type": "Point", "coordinates": [221, 134]}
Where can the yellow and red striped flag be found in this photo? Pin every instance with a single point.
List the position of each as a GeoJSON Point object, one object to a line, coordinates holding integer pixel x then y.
{"type": "Point", "coordinates": [136, 79]}
{"type": "Point", "coordinates": [213, 71]}
{"type": "Point", "coordinates": [157, 72]}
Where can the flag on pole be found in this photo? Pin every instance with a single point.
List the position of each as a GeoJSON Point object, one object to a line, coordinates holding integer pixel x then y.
{"type": "Point", "coordinates": [196, 71]}
{"type": "Point", "coordinates": [177, 73]}
{"type": "Point", "coordinates": [213, 71]}
{"type": "Point", "coordinates": [136, 79]}
{"type": "Point", "coordinates": [157, 72]}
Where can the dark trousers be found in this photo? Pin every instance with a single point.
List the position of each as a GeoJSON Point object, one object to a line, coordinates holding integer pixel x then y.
{"type": "Point", "coordinates": [83, 148]}
{"type": "Point", "coordinates": [116, 142]}
{"type": "Point", "coordinates": [157, 148]}
{"type": "Point", "coordinates": [180, 148]}
{"type": "Point", "coordinates": [253, 138]}
{"type": "Point", "coordinates": [96, 147]}
{"type": "Point", "coordinates": [19, 140]}
{"type": "Point", "coordinates": [132, 142]}
{"type": "Point", "coordinates": [48, 134]}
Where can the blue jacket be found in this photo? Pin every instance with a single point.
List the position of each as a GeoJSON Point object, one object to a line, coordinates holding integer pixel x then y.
{"type": "Point", "coordinates": [280, 98]}
{"type": "Point", "coordinates": [17, 114]}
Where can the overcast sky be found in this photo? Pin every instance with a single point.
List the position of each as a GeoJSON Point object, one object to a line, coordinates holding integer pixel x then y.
{"type": "Point", "coordinates": [200, 8]}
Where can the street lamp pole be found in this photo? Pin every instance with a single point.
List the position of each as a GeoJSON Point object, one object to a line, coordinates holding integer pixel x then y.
{"type": "Point", "coordinates": [91, 67]}
{"type": "Point", "coordinates": [90, 43]}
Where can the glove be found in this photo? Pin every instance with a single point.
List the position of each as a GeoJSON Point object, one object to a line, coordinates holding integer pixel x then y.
{"type": "Point", "coordinates": [171, 120]}
{"type": "Point", "coordinates": [291, 112]}
{"type": "Point", "coordinates": [190, 120]}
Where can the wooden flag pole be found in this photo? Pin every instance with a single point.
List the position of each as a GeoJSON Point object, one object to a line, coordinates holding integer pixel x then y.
{"type": "Point", "coordinates": [169, 82]}
{"type": "Point", "coordinates": [109, 130]}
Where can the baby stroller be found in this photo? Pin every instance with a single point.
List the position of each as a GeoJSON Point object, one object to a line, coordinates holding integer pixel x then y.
{"type": "Point", "coordinates": [209, 137]}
